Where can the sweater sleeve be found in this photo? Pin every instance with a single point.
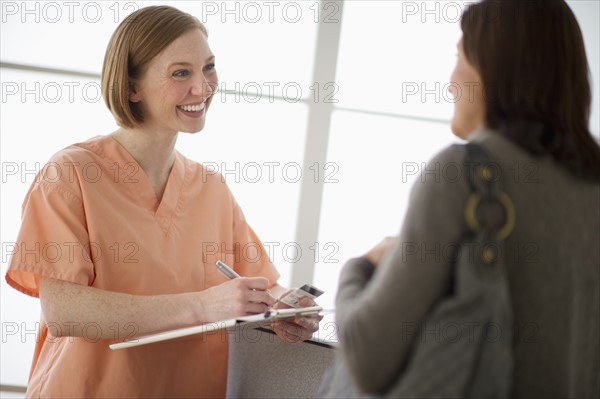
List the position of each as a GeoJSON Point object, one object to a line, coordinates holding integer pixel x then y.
{"type": "Point", "coordinates": [378, 309]}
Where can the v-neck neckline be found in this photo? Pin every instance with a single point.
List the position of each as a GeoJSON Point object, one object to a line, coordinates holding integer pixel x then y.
{"type": "Point", "coordinates": [133, 176]}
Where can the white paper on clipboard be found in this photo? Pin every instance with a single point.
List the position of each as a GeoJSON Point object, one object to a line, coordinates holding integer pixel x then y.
{"type": "Point", "coordinates": [218, 325]}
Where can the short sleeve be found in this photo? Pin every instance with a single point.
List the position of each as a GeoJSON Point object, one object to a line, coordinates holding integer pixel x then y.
{"type": "Point", "coordinates": [253, 260]}
{"type": "Point", "coordinates": [53, 241]}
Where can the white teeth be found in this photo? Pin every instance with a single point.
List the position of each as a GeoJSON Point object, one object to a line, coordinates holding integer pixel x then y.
{"type": "Point", "coordinates": [192, 108]}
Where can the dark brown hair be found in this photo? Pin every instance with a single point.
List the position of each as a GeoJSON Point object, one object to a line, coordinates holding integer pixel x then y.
{"type": "Point", "coordinates": [138, 39]}
{"type": "Point", "coordinates": [531, 58]}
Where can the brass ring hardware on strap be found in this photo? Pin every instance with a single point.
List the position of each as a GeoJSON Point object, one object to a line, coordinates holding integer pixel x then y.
{"type": "Point", "coordinates": [486, 173]}
{"type": "Point", "coordinates": [509, 210]}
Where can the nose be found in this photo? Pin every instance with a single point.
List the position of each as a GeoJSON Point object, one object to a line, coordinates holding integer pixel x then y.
{"type": "Point", "coordinates": [203, 87]}
{"type": "Point", "coordinates": [453, 89]}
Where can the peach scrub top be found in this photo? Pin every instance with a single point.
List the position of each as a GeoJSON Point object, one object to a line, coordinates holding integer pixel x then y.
{"type": "Point", "coordinates": [91, 217]}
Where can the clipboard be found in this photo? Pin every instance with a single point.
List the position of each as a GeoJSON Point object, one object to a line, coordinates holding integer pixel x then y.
{"type": "Point", "coordinates": [217, 325]}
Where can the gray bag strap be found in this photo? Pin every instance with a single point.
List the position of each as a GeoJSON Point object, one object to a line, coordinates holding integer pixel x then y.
{"type": "Point", "coordinates": [490, 215]}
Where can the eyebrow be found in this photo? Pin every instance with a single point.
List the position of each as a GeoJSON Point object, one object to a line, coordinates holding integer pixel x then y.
{"type": "Point", "coordinates": [188, 64]}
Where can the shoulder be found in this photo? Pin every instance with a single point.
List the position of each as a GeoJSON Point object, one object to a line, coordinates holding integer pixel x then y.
{"type": "Point", "coordinates": [69, 170]}
{"type": "Point", "coordinates": [444, 173]}
{"type": "Point", "coordinates": [445, 162]}
{"type": "Point", "coordinates": [65, 170]}
{"type": "Point", "coordinates": [453, 166]}
{"type": "Point", "coordinates": [435, 213]}
{"type": "Point", "coordinates": [76, 161]}
{"type": "Point", "coordinates": [73, 154]}
{"type": "Point", "coordinates": [438, 196]}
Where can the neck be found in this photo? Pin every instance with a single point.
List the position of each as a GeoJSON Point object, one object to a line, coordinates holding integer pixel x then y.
{"type": "Point", "coordinates": [153, 151]}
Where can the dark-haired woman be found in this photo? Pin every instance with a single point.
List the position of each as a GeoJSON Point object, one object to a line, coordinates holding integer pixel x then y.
{"type": "Point", "coordinates": [522, 92]}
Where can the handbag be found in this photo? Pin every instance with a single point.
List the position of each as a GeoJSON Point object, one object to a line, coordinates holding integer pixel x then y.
{"type": "Point", "coordinates": [475, 360]}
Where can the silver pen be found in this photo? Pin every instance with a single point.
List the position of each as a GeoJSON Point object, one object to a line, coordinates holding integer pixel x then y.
{"type": "Point", "coordinates": [227, 271]}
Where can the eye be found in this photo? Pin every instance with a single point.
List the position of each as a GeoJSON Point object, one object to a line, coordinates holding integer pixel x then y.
{"type": "Point", "coordinates": [209, 67]}
{"type": "Point", "coordinates": [181, 73]}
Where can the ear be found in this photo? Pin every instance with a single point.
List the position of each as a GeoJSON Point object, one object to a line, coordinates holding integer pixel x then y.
{"type": "Point", "coordinates": [133, 93]}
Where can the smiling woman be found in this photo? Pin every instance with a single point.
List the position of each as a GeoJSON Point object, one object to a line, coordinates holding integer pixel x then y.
{"type": "Point", "coordinates": [175, 95]}
{"type": "Point", "coordinates": [130, 54]}
{"type": "Point", "coordinates": [139, 215]}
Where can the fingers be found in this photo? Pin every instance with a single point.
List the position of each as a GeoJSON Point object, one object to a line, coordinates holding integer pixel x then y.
{"type": "Point", "coordinates": [291, 332]}
{"type": "Point", "coordinates": [260, 297]}
{"type": "Point", "coordinates": [297, 329]}
{"type": "Point", "coordinates": [307, 301]}
{"type": "Point", "coordinates": [308, 322]}
{"type": "Point", "coordinates": [252, 294]}
{"type": "Point", "coordinates": [255, 307]}
{"type": "Point", "coordinates": [254, 283]}
{"type": "Point", "coordinates": [282, 305]}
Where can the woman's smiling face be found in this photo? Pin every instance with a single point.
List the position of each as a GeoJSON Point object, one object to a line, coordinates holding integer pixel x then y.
{"type": "Point", "coordinates": [176, 89]}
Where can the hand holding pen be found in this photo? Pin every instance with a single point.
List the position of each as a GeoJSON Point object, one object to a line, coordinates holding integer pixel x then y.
{"type": "Point", "coordinates": [295, 329]}
{"type": "Point", "coordinates": [236, 297]}
{"type": "Point", "coordinates": [232, 275]}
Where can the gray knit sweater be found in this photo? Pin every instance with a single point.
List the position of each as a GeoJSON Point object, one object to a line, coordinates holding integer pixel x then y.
{"type": "Point", "coordinates": [553, 264]}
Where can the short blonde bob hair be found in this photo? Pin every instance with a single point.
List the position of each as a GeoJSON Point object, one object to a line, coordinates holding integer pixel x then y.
{"type": "Point", "coordinates": [138, 39]}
